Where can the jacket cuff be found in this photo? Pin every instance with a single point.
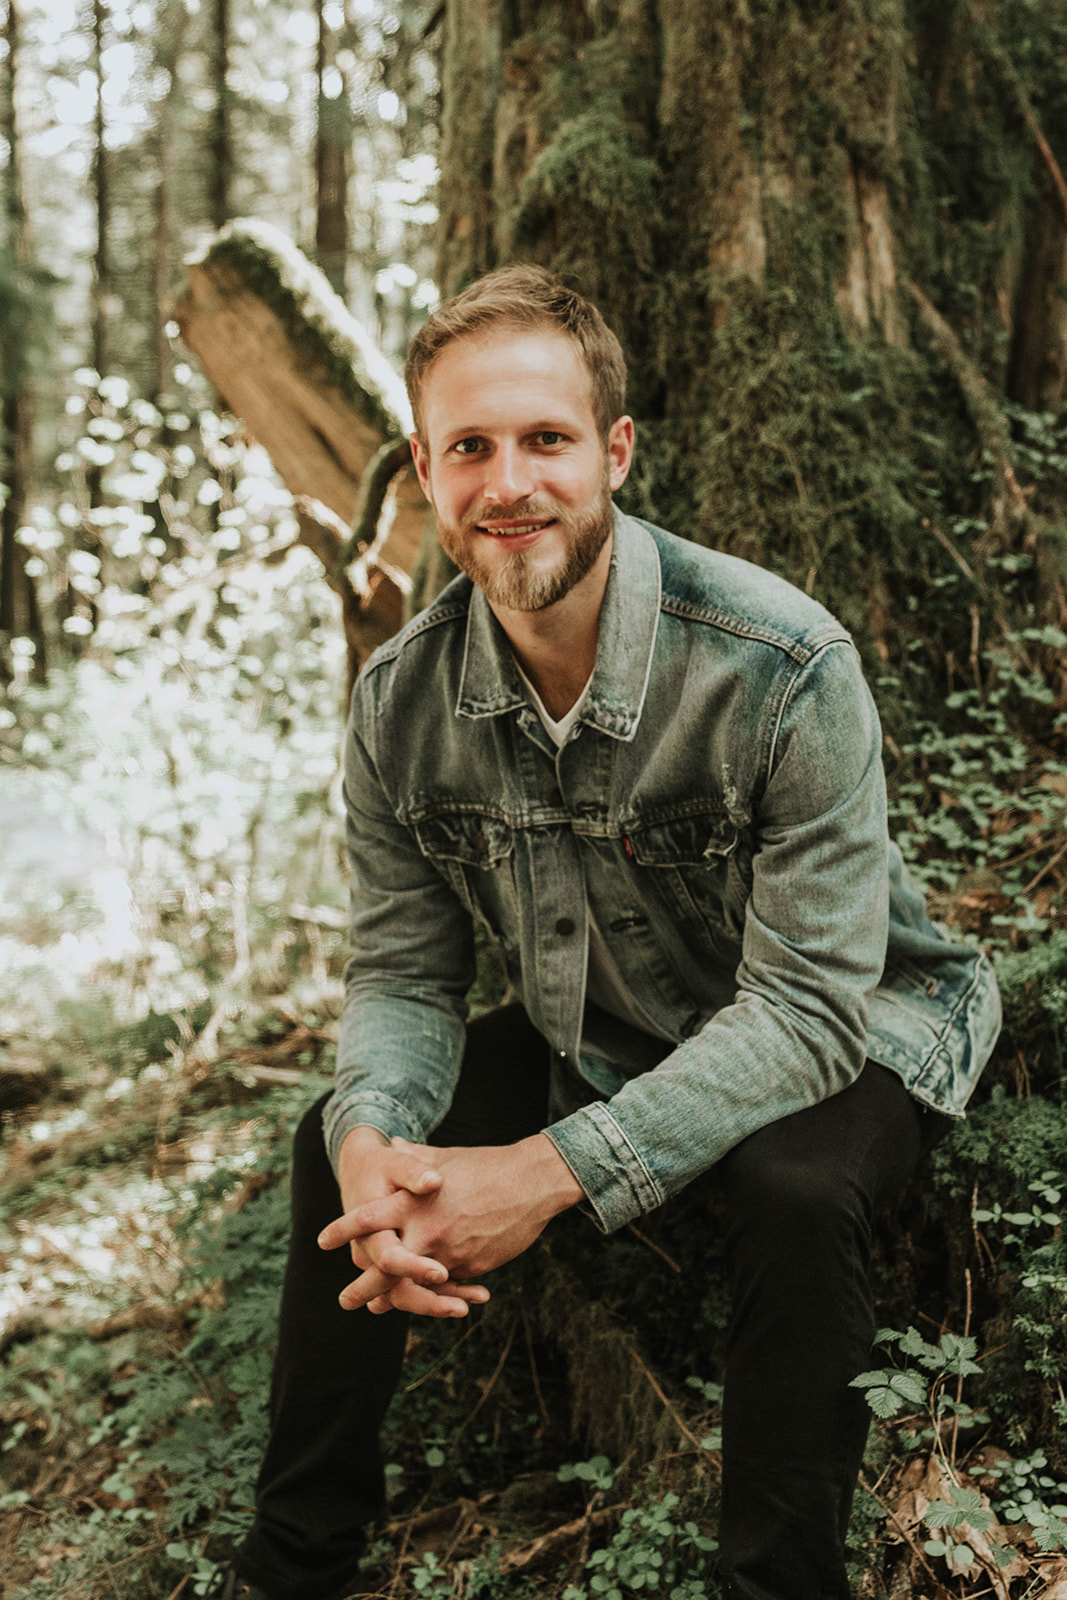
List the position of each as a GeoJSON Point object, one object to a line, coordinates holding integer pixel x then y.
{"type": "Point", "coordinates": [617, 1183]}
{"type": "Point", "coordinates": [365, 1108]}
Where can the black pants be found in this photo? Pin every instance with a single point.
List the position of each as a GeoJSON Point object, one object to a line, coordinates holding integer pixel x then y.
{"type": "Point", "coordinates": [800, 1197]}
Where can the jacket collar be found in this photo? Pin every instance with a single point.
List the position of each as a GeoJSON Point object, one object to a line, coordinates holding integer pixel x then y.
{"type": "Point", "coordinates": [629, 616]}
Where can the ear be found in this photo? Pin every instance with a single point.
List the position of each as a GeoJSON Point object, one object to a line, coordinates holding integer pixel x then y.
{"type": "Point", "coordinates": [422, 464]}
{"type": "Point", "coordinates": [620, 450]}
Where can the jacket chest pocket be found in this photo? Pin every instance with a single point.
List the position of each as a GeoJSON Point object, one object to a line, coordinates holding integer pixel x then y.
{"type": "Point", "coordinates": [474, 852]}
{"type": "Point", "coordinates": [702, 866]}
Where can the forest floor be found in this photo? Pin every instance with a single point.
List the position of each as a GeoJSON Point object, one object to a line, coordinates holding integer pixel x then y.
{"type": "Point", "coordinates": [144, 1222]}
{"type": "Point", "coordinates": [170, 958]}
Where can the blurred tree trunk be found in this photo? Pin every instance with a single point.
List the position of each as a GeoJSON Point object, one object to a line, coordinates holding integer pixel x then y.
{"type": "Point", "coordinates": [102, 286]}
{"type": "Point", "coordinates": [171, 39]}
{"type": "Point", "coordinates": [333, 141]}
{"type": "Point", "coordinates": [1039, 335]}
{"type": "Point", "coordinates": [221, 142]}
{"type": "Point", "coordinates": [818, 234]}
{"type": "Point", "coordinates": [19, 611]}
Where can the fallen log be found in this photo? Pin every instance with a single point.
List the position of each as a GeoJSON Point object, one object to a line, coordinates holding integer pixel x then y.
{"type": "Point", "coordinates": [314, 390]}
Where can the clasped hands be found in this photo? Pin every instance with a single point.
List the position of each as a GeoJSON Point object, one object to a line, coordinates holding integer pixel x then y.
{"type": "Point", "coordinates": [421, 1222]}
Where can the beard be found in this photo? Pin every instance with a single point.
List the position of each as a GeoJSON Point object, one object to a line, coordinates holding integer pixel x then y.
{"type": "Point", "coordinates": [514, 580]}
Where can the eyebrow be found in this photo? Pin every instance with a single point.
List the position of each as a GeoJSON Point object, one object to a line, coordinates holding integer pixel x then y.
{"type": "Point", "coordinates": [545, 425]}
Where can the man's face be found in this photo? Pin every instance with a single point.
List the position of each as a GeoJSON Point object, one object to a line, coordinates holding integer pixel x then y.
{"type": "Point", "coordinates": [514, 466]}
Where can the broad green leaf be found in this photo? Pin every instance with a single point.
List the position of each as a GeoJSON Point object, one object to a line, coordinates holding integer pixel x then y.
{"type": "Point", "coordinates": [943, 1515]}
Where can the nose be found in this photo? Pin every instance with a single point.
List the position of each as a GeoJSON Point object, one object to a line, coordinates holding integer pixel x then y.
{"type": "Point", "coordinates": [508, 474]}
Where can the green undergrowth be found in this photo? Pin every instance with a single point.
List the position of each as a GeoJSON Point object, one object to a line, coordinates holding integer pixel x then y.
{"type": "Point", "coordinates": [130, 1459]}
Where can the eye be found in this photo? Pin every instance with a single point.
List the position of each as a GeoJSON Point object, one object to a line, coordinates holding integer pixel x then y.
{"type": "Point", "coordinates": [548, 436]}
{"type": "Point", "coordinates": [467, 447]}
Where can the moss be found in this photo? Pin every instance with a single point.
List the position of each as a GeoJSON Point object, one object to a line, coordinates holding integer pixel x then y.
{"type": "Point", "coordinates": [593, 182]}
{"type": "Point", "coordinates": [259, 258]}
{"type": "Point", "coordinates": [771, 424]}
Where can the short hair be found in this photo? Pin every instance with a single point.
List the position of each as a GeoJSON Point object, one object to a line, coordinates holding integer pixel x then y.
{"type": "Point", "coordinates": [523, 297]}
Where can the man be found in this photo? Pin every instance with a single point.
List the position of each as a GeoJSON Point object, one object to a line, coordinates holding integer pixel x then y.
{"type": "Point", "coordinates": [653, 771]}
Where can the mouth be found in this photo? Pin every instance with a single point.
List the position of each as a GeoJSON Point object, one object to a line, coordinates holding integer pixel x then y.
{"type": "Point", "coordinates": [514, 530]}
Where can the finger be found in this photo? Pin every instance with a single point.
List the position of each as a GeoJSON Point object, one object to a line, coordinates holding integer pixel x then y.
{"type": "Point", "coordinates": [411, 1167]}
{"type": "Point", "coordinates": [394, 1258]}
{"type": "Point", "coordinates": [383, 1251]}
{"type": "Point", "coordinates": [393, 1212]}
{"type": "Point", "coordinates": [368, 1286]}
{"type": "Point", "coordinates": [390, 1213]}
{"type": "Point", "coordinates": [412, 1297]}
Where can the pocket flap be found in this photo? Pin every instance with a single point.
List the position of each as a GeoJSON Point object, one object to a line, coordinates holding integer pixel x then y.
{"type": "Point", "coordinates": [699, 840]}
{"type": "Point", "coordinates": [473, 838]}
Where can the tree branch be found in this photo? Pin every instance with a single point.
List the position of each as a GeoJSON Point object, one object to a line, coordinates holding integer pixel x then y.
{"type": "Point", "coordinates": [373, 487]}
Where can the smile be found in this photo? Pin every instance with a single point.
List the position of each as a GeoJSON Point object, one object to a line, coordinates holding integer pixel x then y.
{"type": "Point", "coordinates": [512, 530]}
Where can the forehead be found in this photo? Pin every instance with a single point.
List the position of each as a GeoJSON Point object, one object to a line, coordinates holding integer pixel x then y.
{"type": "Point", "coordinates": [499, 374]}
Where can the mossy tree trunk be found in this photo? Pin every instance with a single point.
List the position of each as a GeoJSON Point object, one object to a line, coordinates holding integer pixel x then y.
{"type": "Point", "coordinates": [754, 193]}
{"type": "Point", "coordinates": [832, 241]}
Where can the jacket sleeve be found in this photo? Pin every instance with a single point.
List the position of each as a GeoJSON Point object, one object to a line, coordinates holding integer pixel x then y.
{"type": "Point", "coordinates": [411, 964]}
{"type": "Point", "coordinates": [813, 948]}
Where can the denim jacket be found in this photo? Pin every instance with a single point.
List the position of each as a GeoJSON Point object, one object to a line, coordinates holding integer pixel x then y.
{"type": "Point", "coordinates": [719, 807]}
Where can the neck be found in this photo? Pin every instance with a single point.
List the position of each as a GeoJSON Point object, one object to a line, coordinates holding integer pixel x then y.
{"type": "Point", "coordinates": [556, 647]}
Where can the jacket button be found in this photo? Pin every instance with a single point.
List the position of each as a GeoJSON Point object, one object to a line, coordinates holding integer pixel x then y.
{"type": "Point", "coordinates": [565, 927]}
{"type": "Point", "coordinates": [555, 798]}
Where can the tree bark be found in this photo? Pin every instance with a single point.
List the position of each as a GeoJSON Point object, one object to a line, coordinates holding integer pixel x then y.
{"type": "Point", "coordinates": [749, 194]}
{"type": "Point", "coordinates": [1038, 362]}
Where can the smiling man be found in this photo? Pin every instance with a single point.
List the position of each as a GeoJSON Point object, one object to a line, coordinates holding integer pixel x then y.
{"type": "Point", "coordinates": [653, 773]}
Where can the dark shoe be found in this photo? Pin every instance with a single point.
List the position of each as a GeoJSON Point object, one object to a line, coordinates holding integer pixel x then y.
{"type": "Point", "coordinates": [227, 1585]}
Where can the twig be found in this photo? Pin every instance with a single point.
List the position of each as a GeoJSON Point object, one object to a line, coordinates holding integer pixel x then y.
{"type": "Point", "coordinates": [899, 1526]}
{"type": "Point", "coordinates": [946, 543]}
{"type": "Point", "coordinates": [487, 1391]}
{"type": "Point", "coordinates": [533, 1365]}
{"type": "Point", "coordinates": [550, 1543]}
{"type": "Point", "coordinates": [1036, 879]}
{"type": "Point", "coordinates": [653, 1246]}
{"type": "Point", "coordinates": [959, 1380]}
{"type": "Point", "coordinates": [663, 1398]}
{"type": "Point", "coordinates": [180, 1585]}
{"type": "Point", "coordinates": [445, 1359]}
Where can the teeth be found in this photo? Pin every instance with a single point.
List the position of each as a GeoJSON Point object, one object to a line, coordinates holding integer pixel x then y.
{"type": "Point", "coordinates": [511, 533]}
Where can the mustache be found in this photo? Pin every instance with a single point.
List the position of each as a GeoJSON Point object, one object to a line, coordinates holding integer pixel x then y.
{"type": "Point", "coordinates": [519, 511]}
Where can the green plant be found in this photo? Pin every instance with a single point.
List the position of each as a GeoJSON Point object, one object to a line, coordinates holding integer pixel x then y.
{"type": "Point", "coordinates": [431, 1579]}
{"type": "Point", "coordinates": [1026, 1489]}
{"type": "Point", "coordinates": [650, 1552]}
{"type": "Point", "coordinates": [890, 1389]}
{"type": "Point", "coordinates": [963, 1510]}
{"type": "Point", "coordinates": [979, 793]}
{"type": "Point", "coordinates": [596, 1471]}
{"type": "Point", "coordinates": [959, 1513]}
